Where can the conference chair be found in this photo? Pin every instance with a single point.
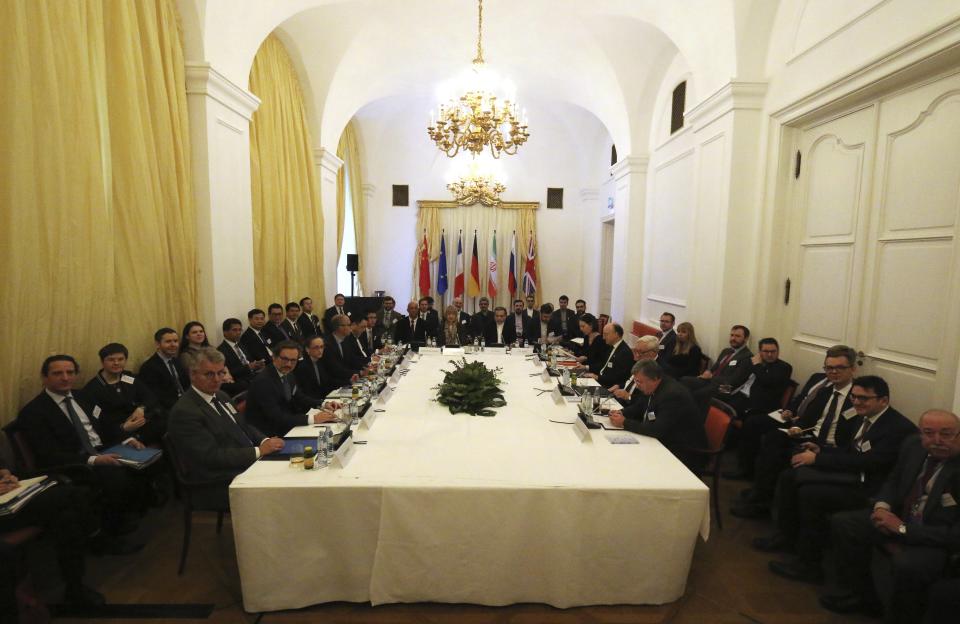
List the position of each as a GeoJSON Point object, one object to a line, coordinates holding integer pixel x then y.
{"type": "Point", "coordinates": [187, 488]}
{"type": "Point", "coordinates": [788, 393]}
{"type": "Point", "coordinates": [26, 463]}
{"type": "Point", "coordinates": [717, 423]}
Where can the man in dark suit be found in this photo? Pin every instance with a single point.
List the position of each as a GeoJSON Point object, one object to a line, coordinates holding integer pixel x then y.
{"type": "Point", "coordinates": [371, 340]}
{"type": "Point", "coordinates": [562, 321]}
{"type": "Point", "coordinates": [500, 332]}
{"type": "Point", "coordinates": [355, 352]}
{"type": "Point", "coordinates": [63, 428]}
{"type": "Point", "coordinates": [64, 514]}
{"type": "Point", "coordinates": [339, 307]}
{"type": "Point", "coordinates": [311, 372]}
{"type": "Point", "coordinates": [404, 331]}
{"type": "Point", "coordinates": [817, 415]}
{"type": "Point", "coordinates": [538, 329]}
{"type": "Point", "coordinates": [728, 373]}
{"type": "Point", "coordinates": [289, 325]}
{"type": "Point", "coordinates": [617, 368]}
{"type": "Point", "coordinates": [531, 311]}
{"type": "Point", "coordinates": [826, 480]}
{"type": "Point", "coordinates": [256, 344]}
{"type": "Point", "coordinates": [274, 328]}
{"type": "Point", "coordinates": [668, 335]}
{"type": "Point", "coordinates": [518, 319]}
{"type": "Point", "coordinates": [162, 372]}
{"type": "Point", "coordinates": [388, 317]}
{"type": "Point", "coordinates": [341, 359]}
{"type": "Point", "coordinates": [913, 527]}
{"type": "Point", "coordinates": [212, 438]}
{"type": "Point", "coordinates": [669, 415]}
{"type": "Point", "coordinates": [418, 326]}
{"type": "Point", "coordinates": [464, 318]}
{"type": "Point", "coordinates": [241, 367]}
{"type": "Point", "coordinates": [275, 404]}
{"type": "Point", "coordinates": [432, 313]}
{"type": "Point", "coordinates": [645, 349]}
{"type": "Point", "coordinates": [580, 308]}
{"type": "Point", "coordinates": [308, 321]}
{"type": "Point", "coordinates": [479, 321]}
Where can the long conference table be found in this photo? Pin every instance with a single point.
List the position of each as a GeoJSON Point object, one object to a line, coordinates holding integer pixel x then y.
{"type": "Point", "coordinates": [438, 507]}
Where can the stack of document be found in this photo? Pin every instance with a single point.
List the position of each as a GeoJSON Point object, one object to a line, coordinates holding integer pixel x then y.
{"type": "Point", "coordinates": [12, 501]}
{"type": "Point", "coordinates": [135, 458]}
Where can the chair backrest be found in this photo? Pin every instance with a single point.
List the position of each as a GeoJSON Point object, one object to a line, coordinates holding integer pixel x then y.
{"type": "Point", "coordinates": [602, 320]}
{"type": "Point", "coordinates": [719, 416]}
{"type": "Point", "coordinates": [179, 469]}
{"type": "Point", "coordinates": [788, 393]}
{"type": "Point", "coordinates": [642, 329]}
{"type": "Point", "coordinates": [24, 459]}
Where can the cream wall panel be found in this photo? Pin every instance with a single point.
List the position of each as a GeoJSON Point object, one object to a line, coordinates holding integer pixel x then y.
{"type": "Point", "coordinates": [824, 295]}
{"type": "Point", "coordinates": [910, 389]}
{"type": "Point", "coordinates": [671, 235]}
{"type": "Point", "coordinates": [822, 18]}
{"type": "Point", "coordinates": [835, 171]}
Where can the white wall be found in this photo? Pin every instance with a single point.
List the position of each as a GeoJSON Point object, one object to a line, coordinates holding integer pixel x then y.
{"type": "Point", "coordinates": [568, 148]}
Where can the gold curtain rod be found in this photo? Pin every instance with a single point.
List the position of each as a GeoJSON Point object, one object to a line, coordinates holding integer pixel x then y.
{"type": "Point", "coordinates": [428, 203]}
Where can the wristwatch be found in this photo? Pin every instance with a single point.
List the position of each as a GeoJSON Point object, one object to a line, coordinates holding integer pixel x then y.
{"type": "Point", "coordinates": [902, 529]}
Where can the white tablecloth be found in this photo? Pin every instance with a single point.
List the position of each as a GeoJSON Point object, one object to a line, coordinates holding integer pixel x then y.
{"type": "Point", "coordinates": [457, 508]}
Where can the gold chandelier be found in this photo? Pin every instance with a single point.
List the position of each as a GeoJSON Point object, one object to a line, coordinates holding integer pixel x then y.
{"type": "Point", "coordinates": [477, 120]}
{"type": "Point", "coordinates": [476, 189]}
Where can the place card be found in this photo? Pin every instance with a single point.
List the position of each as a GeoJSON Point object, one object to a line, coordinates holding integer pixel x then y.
{"type": "Point", "coordinates": [580, 428]}
{"type": "Point", "coordinates": [453, 351]}
{"type": "Point", "coordinates": [367, 421]}
{"type": "Point", "coordinates": [344, 454]}
{"type": "Point", "coordinates": [384, 396]}
{"type": "Point", "coordinates": [395, 377]}
{"type": "Point", "coordinates": [430, 350]}
{"type": "Point", "coordinates": [545, 375]}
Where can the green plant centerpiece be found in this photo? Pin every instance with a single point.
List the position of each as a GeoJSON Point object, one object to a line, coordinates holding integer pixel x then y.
{"type": "Point", "coordinates": [471, 388]}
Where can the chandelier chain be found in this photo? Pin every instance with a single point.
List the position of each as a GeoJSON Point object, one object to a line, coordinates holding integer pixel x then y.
{"type": "Point", "coordinates": [479, 59]}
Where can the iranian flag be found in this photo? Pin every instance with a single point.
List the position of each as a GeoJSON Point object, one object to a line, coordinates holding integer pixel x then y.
{"type": "Point", "coordinates": [492, 264]}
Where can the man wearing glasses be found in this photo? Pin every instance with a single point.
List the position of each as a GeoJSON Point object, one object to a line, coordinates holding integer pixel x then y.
{"type": "Point", "coordinates": [212, 437]}
{"type": "Point", "coordinates": [814, 415]}
{"type": "Point", "coordinates": [275, 403]}
{"type": "Point", "coordinates": [827, 479]}
{"type": "Point", "coordinates": [913, 527]}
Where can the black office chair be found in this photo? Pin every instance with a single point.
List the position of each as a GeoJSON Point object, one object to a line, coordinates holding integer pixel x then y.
{"type": "Point", "coordinates": [188, 487]}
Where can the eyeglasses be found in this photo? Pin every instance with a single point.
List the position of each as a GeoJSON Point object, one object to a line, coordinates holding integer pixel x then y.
{"type": "Point", "coordinates": [862, 398]}
{"type": "Point", "coordinates": [835, 369]}
{"type": "Point", "coordinates": [945, 434]}
{"type": "Point", "coordinates": [213, 374]}
{"type": "Point", "coordinates": [286, 360]}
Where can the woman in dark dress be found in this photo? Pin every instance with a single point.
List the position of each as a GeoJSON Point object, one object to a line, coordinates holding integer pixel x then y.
{"type": "Point", "coordinates": [451, 333]}
{"type": "Point", "coordinates": [594, 351]}
{"type": "Point", "coordinates": [684, 361]}
{"type": "Point", "coordinates": [128, 408]}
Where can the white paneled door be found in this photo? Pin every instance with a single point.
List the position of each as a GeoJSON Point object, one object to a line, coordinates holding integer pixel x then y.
{"type": "Point", "coordinates": [873, 229]}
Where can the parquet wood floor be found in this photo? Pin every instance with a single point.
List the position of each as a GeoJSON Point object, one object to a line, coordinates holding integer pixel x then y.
{"type": "Point", "coordinates": [729, 584]}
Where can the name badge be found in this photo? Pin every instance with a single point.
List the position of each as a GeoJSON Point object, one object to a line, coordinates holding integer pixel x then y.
{"type": "Point", "coordinates": [344, 454]}
{"type": "Point", "coordinates": [126, 379]}
{"type": "Point", "coordinates": [580, 428]}
{"type": "Point", "coordinates": [864, 446]}
{"type": "Point", "coordinates": [660, 348]}
{"type": "Point", "coordinates": [849, 413]}
{"type": "Point", "coordinates": [384, 396]}
{"type": "Point", "coordinates": [269, 341]}
{"type": "Point", "coordinates": [367, 421]}
{"type": "Point", "coordinates": [947, 500]}
{"type": "Point", "coordinates": [732, 363]}
{"type": "Point", "coordinates": [651, 416]}
{"type": "Point", "coordinates": [97, 411]}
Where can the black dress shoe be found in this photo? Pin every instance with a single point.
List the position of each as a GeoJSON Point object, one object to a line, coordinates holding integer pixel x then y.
{"type": "Point", "coordinates": [850, 603]}
{"type": "Point", "coordinates": [83, 596]}
{"type": "Point", "coordinates": [797, 571]}
{"type": "Point", "coordinates": [773, 543]}
{"type": "Point", "coordinates": [750, 510]}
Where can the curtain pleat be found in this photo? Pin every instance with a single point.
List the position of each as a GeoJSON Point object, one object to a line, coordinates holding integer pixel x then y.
{"type": "Point", "coordinates": [348, 150]}
{"type": "Point", "coordinates": [97, 226]}
{"type": "Point", "coordinates": [287, 219]}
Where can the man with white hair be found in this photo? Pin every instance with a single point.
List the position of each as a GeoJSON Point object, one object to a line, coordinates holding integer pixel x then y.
{"type": "Point", "coordinates": [645, 348]}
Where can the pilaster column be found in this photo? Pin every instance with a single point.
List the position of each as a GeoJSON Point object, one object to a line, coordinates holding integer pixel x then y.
{"type": "Point", "coordinates": [630, 184]}
{"type": "Point", "coordinates": [220, 113]}
{"type": "Point", "coordinates": [328, 165]}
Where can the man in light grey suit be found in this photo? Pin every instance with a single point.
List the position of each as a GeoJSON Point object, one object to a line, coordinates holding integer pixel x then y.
{"type": "Point", "coordinates": [209, 434]}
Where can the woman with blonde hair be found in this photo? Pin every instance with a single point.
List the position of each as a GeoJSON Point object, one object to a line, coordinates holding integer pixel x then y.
{"type": "Point", "coordinates": [684, 361]}
{"type": "Point", "coordinates": [451, 332]}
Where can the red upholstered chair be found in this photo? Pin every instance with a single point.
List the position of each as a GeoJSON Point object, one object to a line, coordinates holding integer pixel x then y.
{"type": "Point", "coordinates": [642, 329]}
{"type": "Point", "coordinates": [717, 423]}
{"type": "Point", "coordinates": [602, 320]}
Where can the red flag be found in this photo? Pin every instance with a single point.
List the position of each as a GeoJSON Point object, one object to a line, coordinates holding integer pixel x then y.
{"type": "Point", "coordinates": [424, 268]}
{"type": "Point", "coordinates": [473, 287]}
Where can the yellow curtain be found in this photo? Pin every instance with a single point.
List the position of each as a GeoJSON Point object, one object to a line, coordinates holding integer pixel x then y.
{"type": "Point", "coordinates": [348, 150]}
{"type": "Point", "coordinates": [287, 220]}
{"type": "Point", "coordinates": [97, 225]}
{"type": "Point", "coordinates": [447, 222]}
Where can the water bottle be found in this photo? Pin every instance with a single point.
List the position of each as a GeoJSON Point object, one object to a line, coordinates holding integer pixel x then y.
{"type": "Point", "coordinates": [322, 447]}
{"type": "Point", "coordinates": [483, 344]}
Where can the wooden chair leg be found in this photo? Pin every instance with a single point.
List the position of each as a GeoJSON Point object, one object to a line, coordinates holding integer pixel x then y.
{"type": "Point", "coordinates": [187, 526]}
{"type": "Point", "coordinates": [219, 522]}
{"type": "Point", "coordinates": [715, 493]}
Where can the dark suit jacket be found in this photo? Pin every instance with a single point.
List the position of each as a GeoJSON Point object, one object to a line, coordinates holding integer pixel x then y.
{"type": "Point", "coordinates": [463, 336]}
{"type": "Point", "coordinates": [813, 411]}
{"type": "Point", "coordinates": [478, 323]}
{"type": "Point", "coordinates": [389, 320]}
{"type": "Point", "coordinates": [509, 333]}
{"type": "Point", "coordinates": [377, 343]}
{"type": "Point", "coordinates": [511, 319]}
{"type": "Point", "coordinates": [556, 326]}
{"type": "Point", "coordinates": [667, 343]}
{"type": "Point", "coordinates": [240, 372]}
{"type": "Point", "coordinates": [117, 401]}
{"type": "Point", "coordinates": [677, 422]}
{"type": "Point", "coordinates": [596, 352]}
{"type": "Point", "coordinates": [276, 333]}
{"type": "Point", "coordinates": [618, 370]}
{"type": "Point", "coordinates": [340, 365]}
{"type": "Point", "coordinates": [309, 325]}
{"type": "Point", "coordinates": [941, 524]}
{"type": "Point", "coordinates": [533, 330]}
{"type": "Point", "coordinates": [433, 316]}
{"type": "Point", "coordinates": [51, 435]}
{"type": "Point", "coordinates": [884, 439]}
{"type": "Point", "coordinates": [736, 371]}
{"type": "Point", "coordinates": [771, 381]}
{"type": "Point", "coordinates": [331, 312]}
{"type": "Point", "coordinates": [155, 374]}
{"type": "Point", "coordinates": [268, 408]}
{"type": "Point", "coordinates": [354, 355]}
{"type": "Point", "coordinates": [418, 335]}
{"type": "Point", "coordinates": [679, 365]}
{"type": "Point", "coordinates": [315, 381]}
{"type": "Point", "coordinates": [211, 447]}
{"type": "Point", "coordinates": [256, 347]}
{"type": "Point", "coordinates": [292, 330]}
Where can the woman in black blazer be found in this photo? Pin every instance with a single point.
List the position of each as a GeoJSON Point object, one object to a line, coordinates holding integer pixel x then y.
{"type": "Point", "coordinates": [594, 351]}
{"type": "Point", "coordinates": [451, 333]}
{"type": "Point", "coordinates": [684, 361]}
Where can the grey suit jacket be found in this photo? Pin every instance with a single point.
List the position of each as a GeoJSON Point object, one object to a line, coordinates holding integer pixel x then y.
{"type": "Point", "coordinates": [212, 447]}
